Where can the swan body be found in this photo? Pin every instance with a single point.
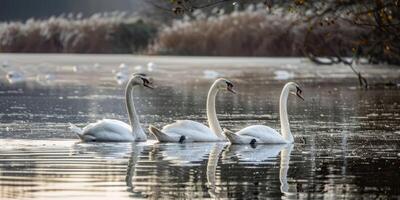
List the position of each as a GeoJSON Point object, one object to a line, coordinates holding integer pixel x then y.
{"type": "Point", "coordinates": [110, 130]}
{"type": "Point", "coordinates": [255, 134]}
{"type": "Point", "coordinates": [191, 131]}
{"type": "Point", "coordinates": [46, 79]}
{"type": "Point", "coordinates": [105, 130]}
{"type": "Point", "coordinates": [75, 68]}
{"type": "Point", "coordinates": [264, 134]}
{"type": "Point", "coordinates": [185, 131]}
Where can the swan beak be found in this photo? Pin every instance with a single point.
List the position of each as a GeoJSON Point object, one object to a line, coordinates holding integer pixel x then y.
{"type": "Point", "coordinates": [146, 82]}
{"type": "Point", "coordinates": [232, 90]}
{"type": "Point", "coordinates": [298, 93]}
{"type": "Point", "coordinates": [300, 96]}
{"type": "Point", "coordinates": [148, 85]}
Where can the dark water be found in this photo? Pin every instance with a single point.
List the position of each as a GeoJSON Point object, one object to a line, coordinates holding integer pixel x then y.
{"type": "Point", "coordinates": [346, 140]}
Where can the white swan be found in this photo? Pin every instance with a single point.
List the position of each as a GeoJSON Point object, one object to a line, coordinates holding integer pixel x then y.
{"type": "Point", "coordinates": [264, 134]}
{"type": "Point", "coordinates": [15, 77]}
{"type": "Point", "coordinates": [191, 131]}
{"type": "Point", "coordinates": [110, 130]}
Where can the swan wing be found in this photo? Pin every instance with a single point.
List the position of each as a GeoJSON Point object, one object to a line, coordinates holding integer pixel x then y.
{"type": "Point", "coordinates": [263, 134]}
{"type": "Point", "coordinates": [108, 130]}
{"type": "Point", "coordinates": [187, 124]}
{"type": "Point", "coordinates": [193, 131]}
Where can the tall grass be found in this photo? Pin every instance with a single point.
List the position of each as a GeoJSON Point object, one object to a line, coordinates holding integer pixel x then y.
{"type": "Point", "coordinates": [100, 33]}
{"type": "Point", "coordinates": [254, 32]}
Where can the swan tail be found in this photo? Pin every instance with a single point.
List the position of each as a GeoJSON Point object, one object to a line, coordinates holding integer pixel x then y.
{"type": "Point", "coordinates": [76, 130]}
{"type": "Point", "coordinates": [159, 135]}
{"type": "Point", "coordinates": [235, 138]}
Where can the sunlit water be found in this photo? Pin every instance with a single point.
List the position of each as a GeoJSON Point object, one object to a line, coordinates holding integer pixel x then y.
{"type": "Point", "coordinates": [346, 139]}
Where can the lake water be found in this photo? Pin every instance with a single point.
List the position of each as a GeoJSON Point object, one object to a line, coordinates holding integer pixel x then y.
{"type": "Point", "coordinates": [346, 146]}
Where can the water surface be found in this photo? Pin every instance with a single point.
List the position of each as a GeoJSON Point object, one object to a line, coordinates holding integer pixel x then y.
{"type": "Point", "coordinates": [346, 139]}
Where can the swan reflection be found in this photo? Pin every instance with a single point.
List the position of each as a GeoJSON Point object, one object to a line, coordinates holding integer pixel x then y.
{"type": "Point", "coordinates": [153, 170]}
{"type": "Point", "coordinates": [103, 150]}
{"type": "Point", "coordinates": [167, 163]}
{"type": "Point", "coordinates": [214, 191]}
{"type": "Point", "coordinates": [131, 169]}
{"type": "Point", "coordinates": [289, 190]}
{"type": "Point", "coordinates": [188, 154]}
{"type": "Point", "coordinates": [249, 154]}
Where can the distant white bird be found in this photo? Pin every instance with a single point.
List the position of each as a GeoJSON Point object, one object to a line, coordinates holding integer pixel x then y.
{"type": "Point", "coordinates": [210, 74]}
{"type": "Point", "coordinates": [121, 78]}
{"type": "Point", "coordinates": [150, 66]}
{"type": "Point", "coordinates": [75, 68]}
{"type": "Point", "coordinates": [123, 66]}
{"type": "Point", "coordinates": [138, 68]}
{"type": "Point", "coordinates": [15, 77]}
{"type": "Point", "coordinates": [46, 79]}
{"type": "Point", "coordinates": [283, 75]}
{"type": "Point", "coordinates": [111, 130]}
{"type": "Point", "coordinates": [264, 134]}
{"type": "Point", "coordinates": [5, 64]}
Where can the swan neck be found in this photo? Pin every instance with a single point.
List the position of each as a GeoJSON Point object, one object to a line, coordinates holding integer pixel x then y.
{"type": "Point", "coordinates": [285, 128]}
{"type": "Point", "coordinates": [211, 112]}
{"type": "Point", "coordinates": [133, 117]}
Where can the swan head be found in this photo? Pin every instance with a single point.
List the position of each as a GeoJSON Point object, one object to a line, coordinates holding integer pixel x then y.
{"type": "Point", "coordinates": [295, 89]}
{"type": "Point", "coordinates": [225, 84]}
{"type": "Point", "coordinates": [141, 79]}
